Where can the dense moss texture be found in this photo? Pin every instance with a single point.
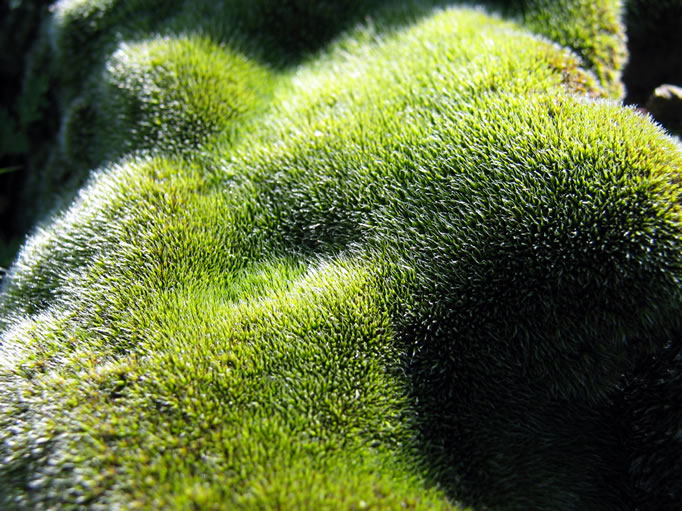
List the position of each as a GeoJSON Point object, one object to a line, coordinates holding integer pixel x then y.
{"type": "Point", "coordinates": [407, 260]}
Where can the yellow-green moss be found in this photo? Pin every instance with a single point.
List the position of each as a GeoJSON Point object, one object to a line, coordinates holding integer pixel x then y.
{"type": "Point", "coordinates": [404, 269]}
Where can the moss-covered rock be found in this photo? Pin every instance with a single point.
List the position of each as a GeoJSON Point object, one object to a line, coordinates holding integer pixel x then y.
{"type": "Point", "coordinates": [592, 29]}
{"type": "Point", "coordinates": [414, 261]}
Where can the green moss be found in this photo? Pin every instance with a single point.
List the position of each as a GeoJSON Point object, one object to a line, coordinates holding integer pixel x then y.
{"type": "Point", "coordinates": [83, 32]}
{"type": "Point", "coordinates": [67, 75]}
{"type": "Point", "coordinates": [407, 269]}
{"type": "Point", "coordinates": [174, 93]}
{"type": "Point", "coordinates": [592, 29]}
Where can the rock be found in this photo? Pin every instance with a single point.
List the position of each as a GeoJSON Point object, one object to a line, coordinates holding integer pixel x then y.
{"type": "Point", "coordinates": [665, 105]}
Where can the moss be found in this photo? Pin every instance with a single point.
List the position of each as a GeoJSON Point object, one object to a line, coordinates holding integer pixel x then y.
{"type": "Point", "coordinates": [66, 68]}
{"type": "Point", "coordinates": [592, 29]}
{"type": "Point", "coordinates": [83, 32]}
{"type": "Point", "coordinates": [173, 93]}
{"type": "Point", "coordinates": [405, 268]}
{"type": "Point", "coordinates": [652, 417]}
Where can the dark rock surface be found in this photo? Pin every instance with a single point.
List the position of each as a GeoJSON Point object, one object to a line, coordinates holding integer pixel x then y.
{"type": "Point", "coordinates": [665, 105]}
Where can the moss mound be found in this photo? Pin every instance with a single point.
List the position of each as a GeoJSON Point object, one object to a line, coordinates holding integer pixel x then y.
{"type": "Point", "coordinates": [411, 259]}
